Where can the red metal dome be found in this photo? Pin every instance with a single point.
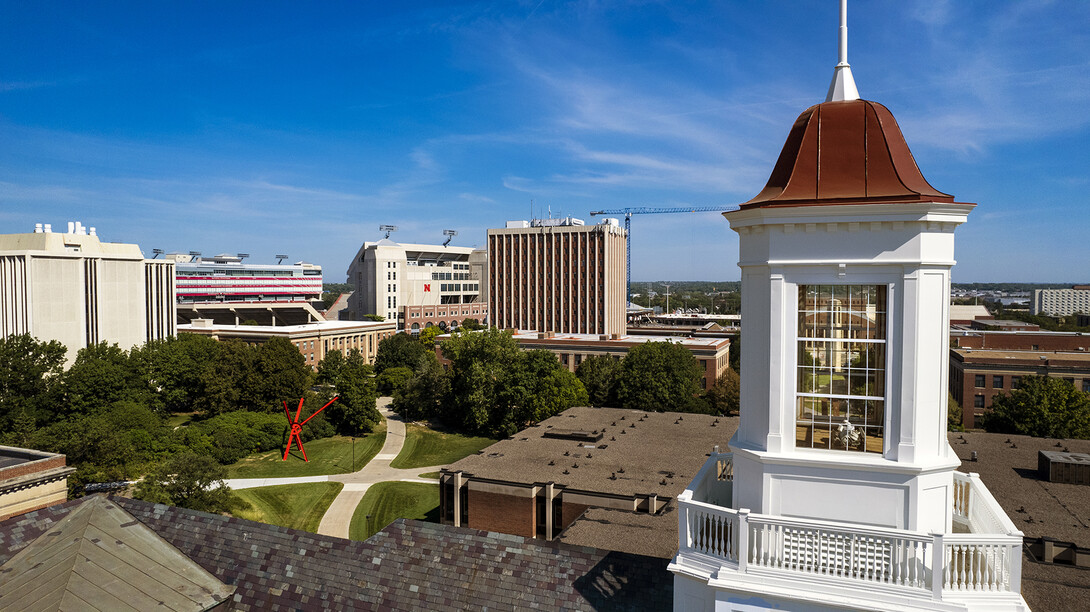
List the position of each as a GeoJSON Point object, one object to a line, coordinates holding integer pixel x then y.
{"type": "Point", "coordinates": [847, 152]}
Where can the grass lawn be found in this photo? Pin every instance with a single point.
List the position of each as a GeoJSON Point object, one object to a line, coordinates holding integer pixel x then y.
{"type": "Point", "coordinates": [387, 501]}
{"type": "Point", "coordinates": [429, 475]}
{"type": "Point", "coordinates": [327, 456]}
{"type": "Point", "coordinates": [298, 506]}
{"type": "Point", "coordinates": [180, 420]}
{"type": "Point", "coordinates": [424, 447]}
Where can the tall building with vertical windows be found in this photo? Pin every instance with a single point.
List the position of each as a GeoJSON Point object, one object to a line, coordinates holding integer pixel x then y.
{"type": "Point", "coordinates": [418, 285]}
{"type": "Point", "coordinates": [72, 287]}
{"type": "Point", "coordinates": [558, 275]}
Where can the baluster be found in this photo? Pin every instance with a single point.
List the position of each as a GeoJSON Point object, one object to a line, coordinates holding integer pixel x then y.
{"type": "Point", "coordinates": [978, 560]}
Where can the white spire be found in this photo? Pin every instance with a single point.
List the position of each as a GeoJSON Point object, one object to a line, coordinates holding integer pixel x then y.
{"type": "Point", "coordinates": [843, 85]}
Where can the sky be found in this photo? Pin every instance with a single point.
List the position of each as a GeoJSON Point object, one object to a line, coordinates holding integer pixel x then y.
{"type": "Point", "coordinates": [299, 128]}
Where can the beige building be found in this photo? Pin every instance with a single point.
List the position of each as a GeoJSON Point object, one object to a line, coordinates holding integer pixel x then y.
{"type": "Point", "coordinates": [314, 340]}
{"type": "Point", "coordinates": [557, 275]}
{"type": "Point", "coordinates": [417, 285]}
{"type": "Point", "coordinates": [713, 354]}
{"type": "Point", "coordinates": [76, 289]}
{"type": "Point", "coordinates": [31, 479]}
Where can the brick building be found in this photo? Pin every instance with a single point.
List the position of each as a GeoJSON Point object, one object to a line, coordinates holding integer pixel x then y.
{"type": "Point", "coordinates": [978, 375]}
{"type": "Point", "coordinates": [558, 275]}
{"type": "Point", "coordinates": [540, 481]}
{"type": "Point", "coordinates": [31, 479]}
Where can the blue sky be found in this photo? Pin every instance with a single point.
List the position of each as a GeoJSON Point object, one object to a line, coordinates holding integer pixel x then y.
{"type": "Point", "coordinates": [265, 127]}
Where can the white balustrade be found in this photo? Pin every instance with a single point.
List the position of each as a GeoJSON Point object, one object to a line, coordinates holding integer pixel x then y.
{"type": "Point", "coordinates": [987, 560]}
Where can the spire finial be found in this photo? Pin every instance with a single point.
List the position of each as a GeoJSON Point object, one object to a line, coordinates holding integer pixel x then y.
{"type": "Point", "coordinates": [843, 85]}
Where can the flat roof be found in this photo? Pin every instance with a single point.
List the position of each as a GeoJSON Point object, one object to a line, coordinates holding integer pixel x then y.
{"type": "Point", "coordinates": [11, 456]}
{"type": "Point", "coordinates": [638, 533]}
{"type": "Point", "coordinates": [972, 354]}
{"type": "Point", "coordinates": [272, 330]}
{"type": "Point", "coordinates": [658, 452]}
{"type": "Point", "coordinates": [530, 334]}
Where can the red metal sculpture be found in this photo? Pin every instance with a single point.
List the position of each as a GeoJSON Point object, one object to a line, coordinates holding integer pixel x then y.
{"type": "Point", "coordinates": [297, 427]}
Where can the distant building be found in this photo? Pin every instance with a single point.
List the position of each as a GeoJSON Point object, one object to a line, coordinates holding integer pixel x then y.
{"type": "Point", "coordinates": [558, 275]}
{"type": "Point", "coordinates": [224, 289]}
{"type": "Point", "coordinates": [418, 285]}
{"type": "Point", "coordinates": [978, 375]}
{"type": "Point", "coordinates": [314, 340]}
{"type": "Point", "coordinates": [31, 479]}
{"type": "Point", "coordinates": [965, 314]}
{"type": "Point", "coordinates": [74, 288]}
{"type": "Point", "coordinates": [713, 354]}
{"type": "Point", "coordinates": [1061, 302]}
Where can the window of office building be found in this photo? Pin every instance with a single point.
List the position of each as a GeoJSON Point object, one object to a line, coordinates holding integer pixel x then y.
{"type": "Point", "coordinates": [978, 381]}
{"type": "Point", "coordinates": [1016, 382]}
{"type": "Point", "coordinates": [841, 367]}
{"type": "Point", "coordinates": [997, 382]}
{"type": "Point", "coordinates": [978, 401]}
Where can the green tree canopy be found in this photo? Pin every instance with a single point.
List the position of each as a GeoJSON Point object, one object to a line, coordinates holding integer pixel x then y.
{"type": "Point", "coordinates": [175, 369]}
{"type": "Point", "coordinates": [725, 395]}
{"type": "Point", "coordinates": [540, 388]}
{"type": "Point", "coordinates": [188, 480]}
{"type": "Point", "coordinates": [398, 350]}
{"type": "Point", "coordinates": [30, 376]}
{"type": "Point", "coordinates": [101, 375]}
{"type": "Point", "coordinates": [329, 369]}
{"type": "Point", "coordinates": [355, 412]}
{"type": "Point", "coordinates": [658, 376]}
{"type": "Point", "coordinates": [423, 396]}
{"type": "Point", "coordinates": [480, 362]}
{"type": "Point", "coordinates": [427, 336]}
{"type": "Point", "coordinates": [1042, 406]}
{"type": "Point", "coordinates": [599, 374]}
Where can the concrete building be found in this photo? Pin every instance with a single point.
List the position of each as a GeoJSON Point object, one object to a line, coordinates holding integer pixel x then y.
{"type": "Point", "coordinates": [841, 490]}
{"type": "Point", "coordinates": [1061, 302]}
{"type": "Point", "coordinates": [76, 289]}
{"type": "Point", "coordinates": [30, 480]}
{"type": "Point", "coordinates": [229, 292]}
{"type": "Point", "coordinates": [418, 285]}
{"type": "Point", "coordinates": [539, 482]}
{"type": "Point", "coordinates": [977, 375]}
{"type": "Point", "coordinates": [713, 354]}
{"type": "Point", "coordinates": [558, 275]}
{"type": "Point", "coordinates": [314, 340]}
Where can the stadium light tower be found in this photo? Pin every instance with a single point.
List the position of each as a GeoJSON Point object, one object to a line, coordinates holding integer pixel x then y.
{"type": "Point", "coordinates": [156, 253]}
{"type": "Point", "coordinates": [450, 234]}
{"type": "Point", "coordinates": [280, 259]}
{"type": "Point", "coordinates": [388, 229]}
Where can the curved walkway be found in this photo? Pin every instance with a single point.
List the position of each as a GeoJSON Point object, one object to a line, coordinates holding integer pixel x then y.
{"type": "Point", "coordinates": [338, 516]}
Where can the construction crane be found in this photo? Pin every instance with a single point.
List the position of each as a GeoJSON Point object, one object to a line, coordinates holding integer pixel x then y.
{"type": "Point", "coordinates": [647, 210]}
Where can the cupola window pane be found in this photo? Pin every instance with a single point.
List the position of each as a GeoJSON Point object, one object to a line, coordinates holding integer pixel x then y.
{"type": "Point", "coordinates": [841, 367]}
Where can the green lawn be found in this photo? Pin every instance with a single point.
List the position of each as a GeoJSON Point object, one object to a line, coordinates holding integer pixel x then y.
{"type": "Point", "coordinates": [327, 456]}
{"type": "Point", "coordinates": [387, 501]}
{"type": "Point", "coordinates": [298, 506]}
{"type": "Point", "coordinates": [424, 447]}
{"type": "Point", "coordinates": [180, 420]}
{"type": "Point", "coordinates": [429, 475]}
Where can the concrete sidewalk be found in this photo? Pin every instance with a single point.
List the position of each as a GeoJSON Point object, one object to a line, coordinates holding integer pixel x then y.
{"type": "Point", "coordinates": [337, 518]}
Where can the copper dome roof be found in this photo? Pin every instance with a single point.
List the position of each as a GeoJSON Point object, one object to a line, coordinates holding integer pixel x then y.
{"type": "Point", "coordinates": [848, 152]}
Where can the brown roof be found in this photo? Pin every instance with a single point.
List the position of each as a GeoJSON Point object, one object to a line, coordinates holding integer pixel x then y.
{"type": "Point", "coordinates": [639, 452]}
{"type": "Point", "coordinates": [849, 152]}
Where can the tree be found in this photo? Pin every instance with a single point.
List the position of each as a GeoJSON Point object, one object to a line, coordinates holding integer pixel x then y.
{"type": "Point", "coordinates": [187, 480]}
{"type": "Point", "coordinates": [599, 374]}
{"type": "Point", "coordinates": [355, 413]}
{"type": "Point", "coordinates": [393, 380]}
{"type": "Point", "coordinates": [480, 363]}
{"type": "Point", "coordinates": [398, 350]}
{"type": "Point", "coordinates": [374, 317]}
{"type": "Point", "coordinates": [953, 413]}
{"type": "Point", "coordinates": [540, 388]}
{"type": "Point", "coordinates": [425, 393]}
{"type": "Point", "coordinates": [101, 375]}
{"type": "Point", "coordinates": [1041, 406]}
{"type": "Point", "coordinates": [427, 336]}
{"type": "Point", "coordinates": [658, 376]}
{"type": "Point", "coordinates": [281, 374]}
{"type": "Point", "coordinates": [471, 324]}
{"type": "Point", "coordinates": [725, 395]}
{"type": "Point", "coordinates": [174, 370]}
{"type": "Point", "coordinates": [30, 374]}
{"type": "Point", "coordinates": [329, 368]}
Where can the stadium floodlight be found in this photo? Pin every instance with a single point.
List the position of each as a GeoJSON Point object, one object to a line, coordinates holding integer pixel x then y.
{"type": "Point", "coordinates": [387, 229]}
{"type": "Point", "coordinates": [242, 255]}
{"type": "Point", "coordinates": [450, 234]}
{"type": "Point", "coordinates": [157, 252]}
{"type": "Point", "coordinates": [196, 254]}
{"type": "Point", "coordinates": [280, 259]}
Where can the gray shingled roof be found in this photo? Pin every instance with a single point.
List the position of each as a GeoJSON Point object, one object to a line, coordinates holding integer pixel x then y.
{"type": "Point", "coordinates": [98, 558]}
{"type": "Point", "coordinates": [410, 565]}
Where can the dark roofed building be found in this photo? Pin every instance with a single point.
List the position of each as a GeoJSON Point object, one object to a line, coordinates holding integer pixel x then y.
{"type": "Point", "coordinates": [540, 481]}
{"type": "Point", "coordinates": [409, 565]}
